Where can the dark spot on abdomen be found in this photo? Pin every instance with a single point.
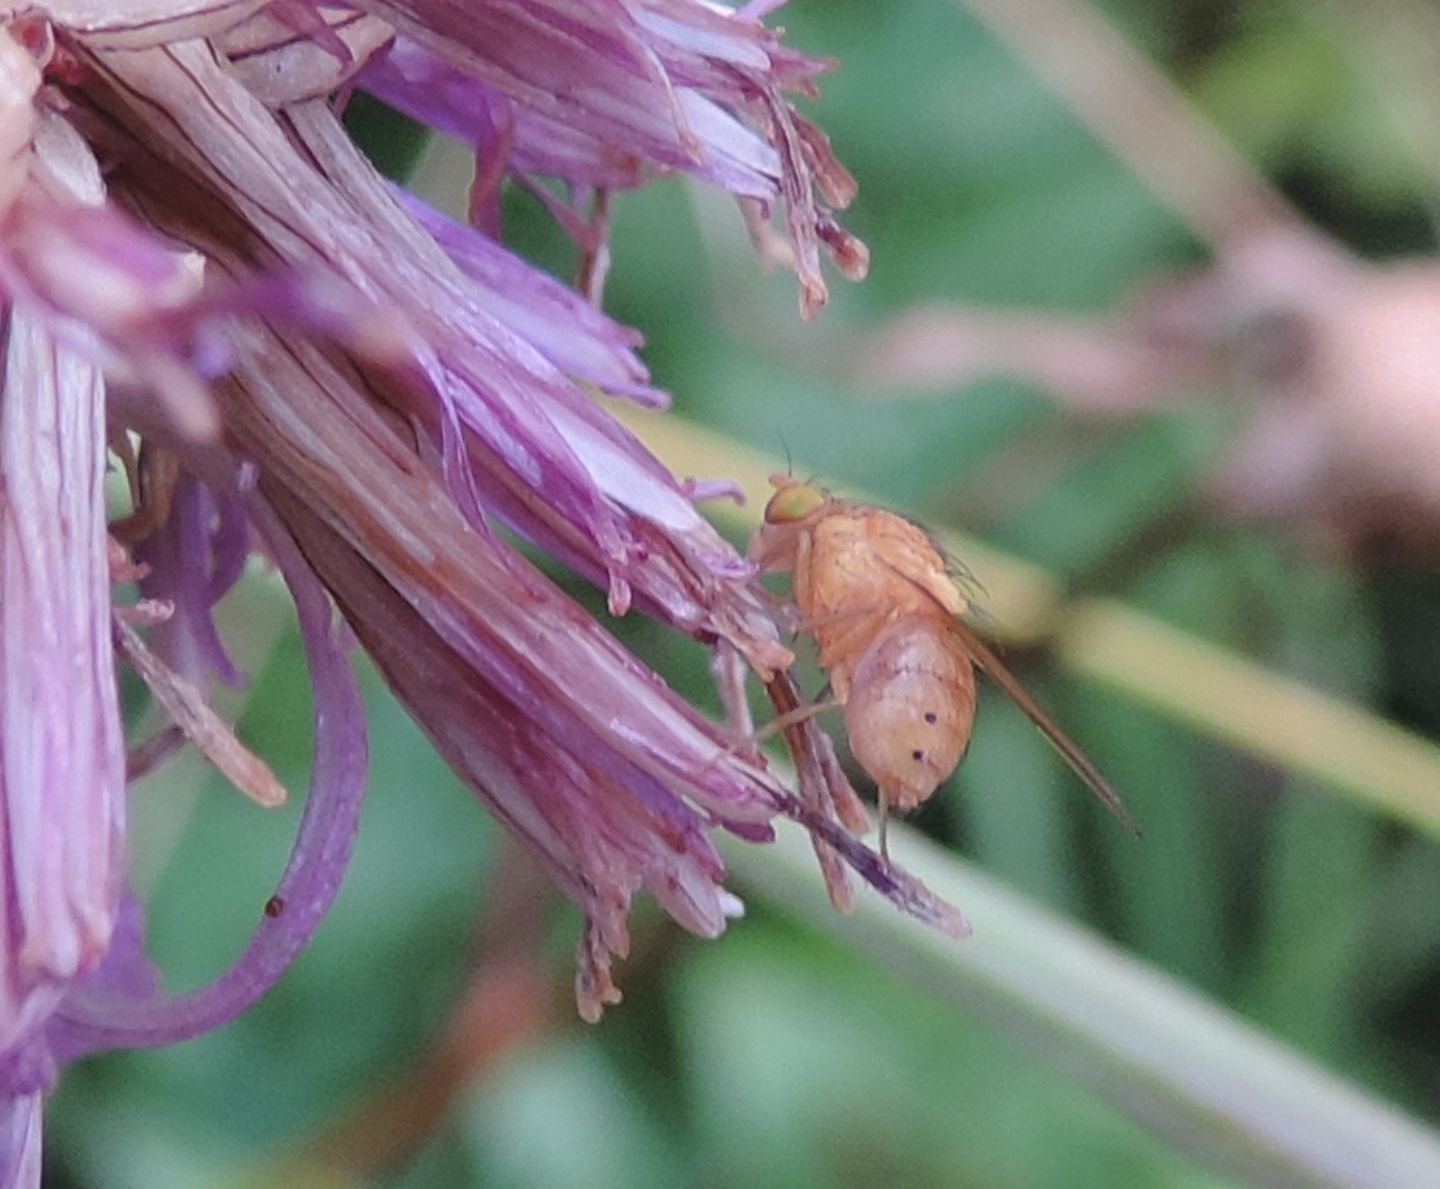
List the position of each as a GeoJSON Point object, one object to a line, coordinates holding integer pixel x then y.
{"type": "Point", "coordinates": [930, 717]}
{"type": "Point", "coordinates": [917, 756]}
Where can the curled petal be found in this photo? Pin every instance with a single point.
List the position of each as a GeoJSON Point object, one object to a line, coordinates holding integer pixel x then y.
{"type": "Point", "coordinates": [703, 490]}
{"type": "Point", "coordinates": [107, 1016]}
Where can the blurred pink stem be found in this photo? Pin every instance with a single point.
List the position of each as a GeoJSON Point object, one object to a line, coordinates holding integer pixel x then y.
{"type": "Point", "coordinates": [1100, 365]}
{"type": "Point", "coordinates": [1145, 120]}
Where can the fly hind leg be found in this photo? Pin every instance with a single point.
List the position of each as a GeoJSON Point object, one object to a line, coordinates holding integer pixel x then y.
{"type": "Point", "coordinates": [777, 724]}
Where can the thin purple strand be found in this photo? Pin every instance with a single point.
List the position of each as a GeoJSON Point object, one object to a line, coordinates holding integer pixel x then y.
{"type": "Point", "coordinates": [91, 1022]}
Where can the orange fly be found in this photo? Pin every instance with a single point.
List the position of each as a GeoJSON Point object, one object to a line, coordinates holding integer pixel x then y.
{"type": "Point", "coordinates": [875, 592]}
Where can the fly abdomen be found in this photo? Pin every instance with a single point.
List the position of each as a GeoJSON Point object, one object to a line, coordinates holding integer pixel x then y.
{"type": "Point", "coordinates": [911, 708]}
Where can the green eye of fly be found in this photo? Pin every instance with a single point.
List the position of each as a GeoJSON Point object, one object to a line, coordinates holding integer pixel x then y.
{"type": "Point", "coordinates": [793, 503]}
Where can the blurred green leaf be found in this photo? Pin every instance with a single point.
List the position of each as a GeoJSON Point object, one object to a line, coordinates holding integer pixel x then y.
{"type": "Point", "coordinates": [1322, 856]}
{"type": "Point", "coordinates": [393, 142]}
{"type": "Point", "coordinates": [562, 1118]}
{"type": "Point", "coordinates": [1010, 796]}
{"type": "Point", "coordinates": [808, 1071]}
{"type": "Point", "coordinates": [1216, 1087]}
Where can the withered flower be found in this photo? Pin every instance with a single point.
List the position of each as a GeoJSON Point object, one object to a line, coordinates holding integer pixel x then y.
{"type": "Point", "coordinates": [204, 280]}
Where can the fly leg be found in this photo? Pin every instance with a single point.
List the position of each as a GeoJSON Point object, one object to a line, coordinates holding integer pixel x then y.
{"type": "Point", "coordinates": [841, 648]}
{"type": "Point", "coordinates": [793, 717]}
{"type": "Point", "coordinates": [777, 724]}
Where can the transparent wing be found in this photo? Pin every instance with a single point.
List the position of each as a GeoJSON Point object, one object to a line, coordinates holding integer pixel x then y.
{"type": "Point", "coordinates": [994, 668]}
{"type": "Point", "coordinates": [1069, 750]}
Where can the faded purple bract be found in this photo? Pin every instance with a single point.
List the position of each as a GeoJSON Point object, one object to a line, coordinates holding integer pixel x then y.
{"type": "Point", "coordinates": [286, 355]}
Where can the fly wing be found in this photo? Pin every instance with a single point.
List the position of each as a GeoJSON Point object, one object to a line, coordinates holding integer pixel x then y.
{"type": "Point", "coordinates": [907, 550]}
{"type": "Point", "coordinates": [1069, 750]}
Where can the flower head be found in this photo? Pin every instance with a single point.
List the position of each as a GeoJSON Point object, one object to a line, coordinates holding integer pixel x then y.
{"type": "Point", "coordinates": [288, 355]}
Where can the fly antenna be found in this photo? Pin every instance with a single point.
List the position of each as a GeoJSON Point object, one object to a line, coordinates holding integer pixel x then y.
{"type": "Point", "coordinates": [789, 461]}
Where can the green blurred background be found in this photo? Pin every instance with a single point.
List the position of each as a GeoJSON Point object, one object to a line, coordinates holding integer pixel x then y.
{"type": "Point", "coordinates": [775, 1056]}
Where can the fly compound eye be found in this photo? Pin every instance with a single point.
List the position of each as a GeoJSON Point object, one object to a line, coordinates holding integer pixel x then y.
{"type": "Point", "coordinates": [794, 502]}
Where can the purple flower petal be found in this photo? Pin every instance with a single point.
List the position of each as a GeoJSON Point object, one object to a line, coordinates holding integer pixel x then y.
{"type": "Point", "coordinates": [20, 1141]}
{"type": "Point", "coordinates": [292, 50]}
{"type": "Point", "coordinates": [194, 558]}
{"type": "Point", "coordinates": [63, 768]}
{"type": "Point", "coordinates": [139, 23]}
{"type": "Point", "coordinates": [105, 286]}
{"type": "Point", "coordinates": [558, 137]}
{"type": "Point", "coordinates": [600, 817]}
{"type": "Point", "coordinates": [564, 327]}
{"type": "Point", "coordinates": [581, 89]}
